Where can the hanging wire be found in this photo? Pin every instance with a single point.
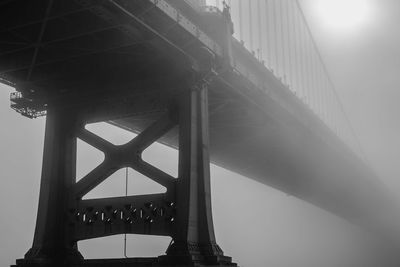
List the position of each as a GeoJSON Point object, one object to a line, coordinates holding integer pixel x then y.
{"type": "Point", "coordinates": [260, 33]}
{"type": "Point", "coordinates": [313, 79]}
{"type": "Point", "coordinates": [289, 46]}
{"type": "Point", "coordinates": [240, 22]}
{"type": "Point", "coordinates": [321, 83]}
{"type": "Point", "coordinates": [250, 9]}
{"type": "Point", "coordinates": [294, 54]}
{"type": "Point", "coordinates": [335, 94]}
{"type": "Point", "coordinates": [318, 87]}
{"type": "Point", "coordinates": [303, 60]}
{"type": "Point", "coordinates": [269, 33]}
{"type": "Point", "coordinates": [275, 37]}
{"type": "Point", "coordinates": [325, 99]}
{"type": "Point", "coordinates": [309, 69]}
{"type": "Point", "coordinates": [280, 39]}
{"type": "Point", "coordinates": [297, 52]}
{"type": "Point", "coordinates": [126, 194]}
{"type": "Point", "coordinates": [295, 62]}
{"type": "Point", "coordinates": [283, 44]}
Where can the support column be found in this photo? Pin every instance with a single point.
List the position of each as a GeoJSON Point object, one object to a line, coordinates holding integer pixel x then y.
{"type": "Point", "coordinates": [51, 244]}
{"type": "Point", "coordinates": [193, 238]}
{"type": "Point", "coordinates": [184, 212]}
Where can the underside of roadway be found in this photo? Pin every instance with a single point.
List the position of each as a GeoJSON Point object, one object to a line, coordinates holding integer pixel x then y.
{"type": "Point", "coordinates": [94, 52]}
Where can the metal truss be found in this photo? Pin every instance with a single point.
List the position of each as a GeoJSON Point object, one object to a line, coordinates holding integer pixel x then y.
{"type": "Point", "coordinates": [182, 212]}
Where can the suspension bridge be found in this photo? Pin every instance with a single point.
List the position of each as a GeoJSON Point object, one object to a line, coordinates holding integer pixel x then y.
{"type": "Point", "coordinates": [239, 83]}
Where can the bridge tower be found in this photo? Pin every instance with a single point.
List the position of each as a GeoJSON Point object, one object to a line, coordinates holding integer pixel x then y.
{"type": "Point", "coordinates": [183, 212]}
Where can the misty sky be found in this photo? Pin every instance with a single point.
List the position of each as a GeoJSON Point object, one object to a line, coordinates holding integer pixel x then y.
{"type": "Point", "coordinates": [255, 224]}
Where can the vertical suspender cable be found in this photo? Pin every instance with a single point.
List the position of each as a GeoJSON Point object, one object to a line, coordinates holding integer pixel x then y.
{"type": "Point", "coordinates": [328, 103]}
{"type": "Point", "coordinates": [269, 33]}
{"type": "Point", "coordinates": [271, 26]}
{"type": "Point", "coordinates": [321, 95]}
{"type": "Point", "coordinates": [240, 21]}
{"type": "Point", "coordinates": [318, 88]}
{"type": "Point", "coordinates": [292, 47]}
{"type": "Point", "coordinates": [303, 62]}
{"type": "Point", "coordinates": [327, 106]}
{"type": "Point", "coordinates": [317, 85]}
{"type": "Point", "coordinates": [250, 6]}
{"type": "Point", "coordinates": [321, 84]}
{"type": "Point", "coordinates": [282, 41]}
{"type": "Point", "coordinates": [306, 80]}
{"type": "Point", "coordinates": [289, 46]}
{"type": "Point", "coordinates": [275, 34]}
{"type": "Point", "coordinates": [309, 71]}
{"type": "Point", "coordinates": [285, 41]}
{"type": "Point", "coordinates": [288, 52]}
{"type": "Point", "coordinates": [282, 20]}
{"type": "Point", "coordinates": [323, 99]}
{"type": "Point", "coordinates": [312, 76]}
{"type": "Point", "coordinates": [326, 99]}
{"type": "Point", "coordinates": [335, 95]}
{"type": "Point", "coordinates": [260, 33]}
{"type": "Point", "coordinates": [126, 194]}
{"type": "Point", "coordinates": [295, 52]}
{"type": "Point", "coordinates": [298, 53]}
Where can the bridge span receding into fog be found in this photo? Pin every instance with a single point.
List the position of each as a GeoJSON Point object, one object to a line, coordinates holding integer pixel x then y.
{"type": "Point", "coordinates": [274, 120]}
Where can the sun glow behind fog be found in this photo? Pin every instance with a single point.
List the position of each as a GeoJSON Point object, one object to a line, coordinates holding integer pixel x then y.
{"type": "Point", "coordinates": [344, 15]}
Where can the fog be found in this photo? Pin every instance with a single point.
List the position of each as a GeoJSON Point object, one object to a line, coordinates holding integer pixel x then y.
{"type": "Point", "coordinates": [364, 66]}
{"type": "Point", "coordinates": [255, 224]}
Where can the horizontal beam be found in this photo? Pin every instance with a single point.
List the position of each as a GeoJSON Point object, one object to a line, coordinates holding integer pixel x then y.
{"type": "Point", "coordinates": [141, 214]}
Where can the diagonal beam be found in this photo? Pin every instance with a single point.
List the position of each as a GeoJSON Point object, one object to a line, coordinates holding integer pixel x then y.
{"type": "Point", "coordinates": [40, 37]}
{"type": "Point", "coordinates": [94, 140]}
{"type": "Point", "coordinates": [33, 22]}
{"type": "Point", "coordinates": [152, 133]}
{"type": "Point", "coordinates": [154, 174]}
{"type": "Point", "coordinates": [93, 179]}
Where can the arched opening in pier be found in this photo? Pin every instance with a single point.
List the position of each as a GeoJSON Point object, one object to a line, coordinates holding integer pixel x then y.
{"type": "Point", "coordinates": [113, 246]}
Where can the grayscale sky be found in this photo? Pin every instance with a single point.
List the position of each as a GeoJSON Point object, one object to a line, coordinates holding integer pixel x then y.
{"type": "Point", "coordinates": [257, 225]}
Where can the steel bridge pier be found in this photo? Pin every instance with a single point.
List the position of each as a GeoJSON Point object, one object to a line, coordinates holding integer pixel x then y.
{"type": "Point", "coordinates": [183, 212]}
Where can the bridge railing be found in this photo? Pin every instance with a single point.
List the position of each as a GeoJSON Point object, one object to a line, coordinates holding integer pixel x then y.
{"type": "Point", "coordinates": [276, 32]}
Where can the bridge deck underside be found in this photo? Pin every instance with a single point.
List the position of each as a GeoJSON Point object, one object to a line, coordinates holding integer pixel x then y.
{"type": "Point", "coordinates": [82, 50]}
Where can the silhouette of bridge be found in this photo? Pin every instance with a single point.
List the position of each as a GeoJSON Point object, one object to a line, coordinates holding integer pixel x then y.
{"type": "Point", "coordinates": [240, 84]}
